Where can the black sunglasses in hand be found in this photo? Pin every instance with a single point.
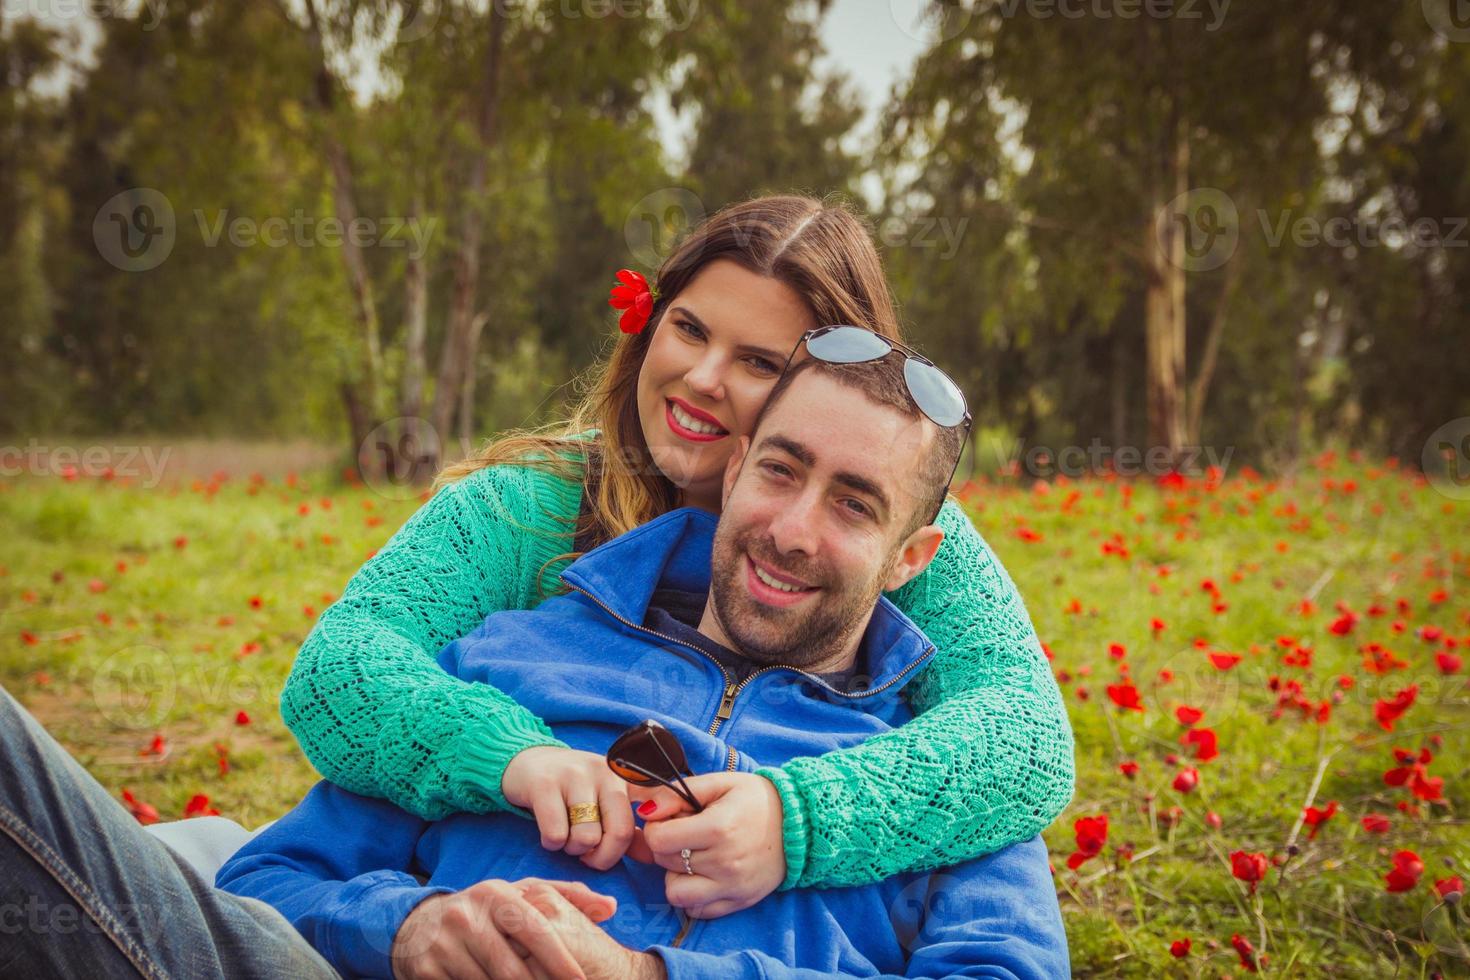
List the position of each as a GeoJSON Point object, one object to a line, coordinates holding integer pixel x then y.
{"type": "Point", "coordinates": [648, 754]}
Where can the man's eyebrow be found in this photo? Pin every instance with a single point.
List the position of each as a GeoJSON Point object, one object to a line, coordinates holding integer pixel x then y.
{"type": "Point", "coordinates": [791, 448]}
{"type": "Point", "coordinates": [766, 352]}
{"type": "Point", "coordinates": [863, 485]}
{"type": "Point", "coordinates": [807, 458]}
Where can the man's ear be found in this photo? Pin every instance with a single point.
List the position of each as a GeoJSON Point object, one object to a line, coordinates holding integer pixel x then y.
{"type": "Point", "coordinates": [732, 468]}
{"type": "Point", "coordinates": [914, 555]}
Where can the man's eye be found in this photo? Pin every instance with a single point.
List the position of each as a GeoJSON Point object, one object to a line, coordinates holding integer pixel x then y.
{"type": "Point", "coordinates": [776, 469]}
{"type": "Point", "coordinates": [857, 507]}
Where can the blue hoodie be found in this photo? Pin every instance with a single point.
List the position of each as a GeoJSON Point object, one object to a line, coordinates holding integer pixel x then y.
{"type": "Point", "coordinates": [346, 870]}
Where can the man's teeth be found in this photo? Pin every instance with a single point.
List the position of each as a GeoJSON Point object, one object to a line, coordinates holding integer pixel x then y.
{"type": "Point", "coordinates": [693, 424]}
{"type": "Point", "coordinates": [773, 583]}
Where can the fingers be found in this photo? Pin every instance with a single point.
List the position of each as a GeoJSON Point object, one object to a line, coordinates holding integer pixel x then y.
{"type": "Point", "coordinates": [698, 832]}
{"type": "Point", "coordinates": [638, 848]}
{"type": "Point", "coordinates": [667, 803]}
{"type": "Point", "coordinates": [617, 825]}
{"type": "Point", "coordinates": [700, 897]}
{"type": "Point", "coordinates": [595, 905]}
{"type": "Point", "coordinates": [513, 915]}
{"type": "Point", "coordinates": [583, 837]}
{"type": "Point", "coordinates": [552, 820]}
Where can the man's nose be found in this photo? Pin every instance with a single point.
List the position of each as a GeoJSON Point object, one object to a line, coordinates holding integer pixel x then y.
{"type": "Point", "coordinates": [793, 528]}
{"type": "Point", "coordinates": [707, 376]}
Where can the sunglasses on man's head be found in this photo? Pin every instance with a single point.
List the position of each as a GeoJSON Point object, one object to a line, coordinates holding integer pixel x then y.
{"type": "Point", "coordinates": [648, 754]}
{"type": "Point", "coordinates": [933, 392]}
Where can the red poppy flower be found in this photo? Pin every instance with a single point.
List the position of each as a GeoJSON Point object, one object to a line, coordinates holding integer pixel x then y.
{"type": "Point", "coordinates": [1224, 661]}
{"type": "Point", "coordinates": [142, 812]}
{"type": "Point", "coordinates": [1187, 715]}
{"type": "Point", "coordinates": [1448, 663]}
{"type": "Point", "coordinates": [1249, 868]}
{"type": "Point", "coordinates": [1404, 874]}
{"type": "Point", "coordinates": [1413, 771]}
{"type": "Point", "coordinates": [634, 298]}
{"type": "Point", "coordinates": [1128, 768]}
{"type": "Point", "coordinates": [155, 747]}
{"type": "Point", "coordinates": [256, 602]}
{"type": "Point", "coordinates": [1203, 740]}
{"type": "Point", "coordinates": [1315, 818]}
{"type": "Point", "coordinates": [1117, 651]}
{"type": "Point", "coordinates": [1375, 823]}
{"type": "Point", "coordinates": [198, 806]}
{"type": "Point", "coordinates": [1125, 696]}
{"type": "Point", "coordinates": [1213, 820]}
{"type": "Point", "coordinates": [1186, 780]}
{"type": "Point", "coordinates": [1388, 712]}
{"type": "Point", "coordinates": [1024, 533]}
{"type": "Point", "coordinates": [1446, 886]}
{"type": "Point", "coordinates": [1092, 833]}
{"type": "Point", "coordinates": [1157, 625]}
{"type": "Point", "coordinates": [1179, 948]}
{"type": "Point", "coordinates": [1246, 951]}
{"type": "Point", "coordinates": [241, 718]}
{"type": "Point", "coordinates": [1343, 625]}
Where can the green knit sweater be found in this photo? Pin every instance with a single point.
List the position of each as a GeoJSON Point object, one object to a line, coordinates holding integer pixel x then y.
{"type": "Point", "coordinates": [986, 761]}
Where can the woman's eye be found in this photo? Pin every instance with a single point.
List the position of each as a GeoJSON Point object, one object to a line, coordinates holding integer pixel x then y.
{"type": "Point", "coordinates": [686, 327]}
{"type": "Point", "coordinates": [763, 366]}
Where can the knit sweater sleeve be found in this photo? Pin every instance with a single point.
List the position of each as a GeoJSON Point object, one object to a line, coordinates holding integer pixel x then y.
{"type": "Point", "coordinates": [986, 762]}
{"type": "Point", "coordinates": [366, 699]}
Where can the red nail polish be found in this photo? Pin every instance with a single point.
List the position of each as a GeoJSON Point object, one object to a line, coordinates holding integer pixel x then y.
{"type": "Point", "coordinates": [647, 808]}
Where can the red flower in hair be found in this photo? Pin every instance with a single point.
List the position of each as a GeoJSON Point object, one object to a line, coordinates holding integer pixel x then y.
{"type": "Point", "coordinates": [634, 298]}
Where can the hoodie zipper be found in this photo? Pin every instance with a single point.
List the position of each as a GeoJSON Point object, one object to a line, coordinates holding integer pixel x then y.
{"type": "Point", "coordinates": [727, 700]}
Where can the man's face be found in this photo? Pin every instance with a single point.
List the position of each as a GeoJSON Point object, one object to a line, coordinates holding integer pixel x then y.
{"type": "Point", "coordinates": [815, 522]}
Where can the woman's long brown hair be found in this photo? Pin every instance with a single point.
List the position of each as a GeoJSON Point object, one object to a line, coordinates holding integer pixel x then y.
{"type": "Point", "coordinates": [823, 251]}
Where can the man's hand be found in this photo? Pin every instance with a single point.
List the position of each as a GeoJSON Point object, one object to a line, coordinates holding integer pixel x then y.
{"type": "Point", "coordinates": [492, 929]}
{"type": "Point", "coordinates": [547, 780]}
{"type": "Point", "coordinates": [738, 850]}
{"type": "Point", "coordinates": [599, 956]}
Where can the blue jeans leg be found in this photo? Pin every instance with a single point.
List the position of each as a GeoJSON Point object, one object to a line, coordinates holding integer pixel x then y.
{"type": "Point", "coordinates": [84, 892]}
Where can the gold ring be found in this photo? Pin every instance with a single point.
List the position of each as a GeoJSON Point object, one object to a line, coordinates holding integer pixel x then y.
{"type": "Point", "coordinates": [584, 813]}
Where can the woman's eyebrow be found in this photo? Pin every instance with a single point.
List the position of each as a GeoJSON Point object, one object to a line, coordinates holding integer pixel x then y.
{"type": "Point", "coordinates": [693, 318]}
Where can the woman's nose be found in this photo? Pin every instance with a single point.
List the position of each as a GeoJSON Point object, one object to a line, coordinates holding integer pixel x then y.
{"type": "Point", "coordinates": [707, 377]}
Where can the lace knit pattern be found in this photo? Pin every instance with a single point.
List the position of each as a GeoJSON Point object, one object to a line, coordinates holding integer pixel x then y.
{"type": "Point", "coordinates": [987, 761]}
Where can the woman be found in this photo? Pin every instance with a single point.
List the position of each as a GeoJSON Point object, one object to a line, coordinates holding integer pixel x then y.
{"type": "Point", "coordinates": [986, 761]}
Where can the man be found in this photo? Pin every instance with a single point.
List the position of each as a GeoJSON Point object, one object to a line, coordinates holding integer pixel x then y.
{"type": "Point", "coordinates": [754, 639]}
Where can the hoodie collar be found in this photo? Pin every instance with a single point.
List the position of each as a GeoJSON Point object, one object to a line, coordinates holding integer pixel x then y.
{"type": "Point", "coordinates": [673, 552]}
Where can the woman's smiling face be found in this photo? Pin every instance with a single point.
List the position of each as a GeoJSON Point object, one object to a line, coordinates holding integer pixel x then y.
{"type": "Point", "coordinates": [713, 358]}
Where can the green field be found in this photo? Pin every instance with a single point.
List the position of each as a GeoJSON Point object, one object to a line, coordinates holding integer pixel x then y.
{"type": "Point", "coordinates": [129, 613]}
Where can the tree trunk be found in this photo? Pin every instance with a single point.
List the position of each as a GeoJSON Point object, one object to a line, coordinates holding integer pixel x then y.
{"type": "Point", "coordinates": [467, 391]}
{"type": "Point", "coordinates": [1165, 297]}
{"type": "Point", "coordinates": [459, 342]}
{"type": "Point", "coordinates": [365, 381]}
{"type": "Point", "coordinates": [1200, 388]}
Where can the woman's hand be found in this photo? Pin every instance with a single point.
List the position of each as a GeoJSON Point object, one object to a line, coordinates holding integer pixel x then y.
{"type": "Point", "coordinates": [737, 848]}
{"type": "Point", "coordinates": [548, 779]}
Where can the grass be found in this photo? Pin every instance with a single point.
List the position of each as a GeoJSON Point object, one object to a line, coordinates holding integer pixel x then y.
{"type": "Point", "coordinates": [128, 613]}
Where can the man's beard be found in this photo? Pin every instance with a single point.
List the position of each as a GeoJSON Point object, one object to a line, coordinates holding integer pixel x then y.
{"type": "Point", "coordinates": [811, 632]}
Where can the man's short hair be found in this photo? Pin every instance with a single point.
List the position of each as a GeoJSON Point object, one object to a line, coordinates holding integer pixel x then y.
{"type": "Point", "coordinates": [883, 382]}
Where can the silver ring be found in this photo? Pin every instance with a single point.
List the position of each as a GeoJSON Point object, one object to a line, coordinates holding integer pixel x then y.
{"type": "Point", "coordinates": [686, 854]}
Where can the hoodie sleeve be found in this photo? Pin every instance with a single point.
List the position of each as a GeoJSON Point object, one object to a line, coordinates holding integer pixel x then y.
{"type": "Point", "coordinates": [336, 867]}
{"type": "Point", "coordinates": [993, 917]}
